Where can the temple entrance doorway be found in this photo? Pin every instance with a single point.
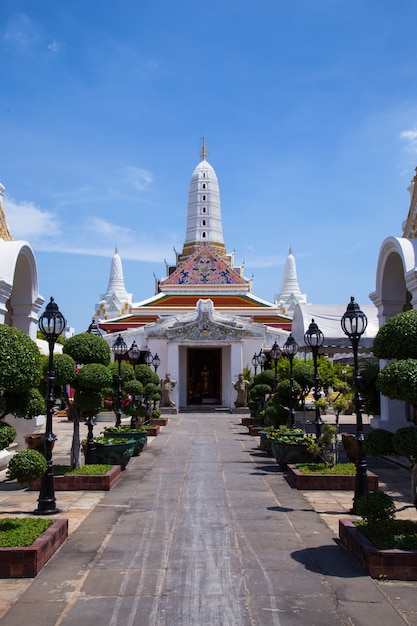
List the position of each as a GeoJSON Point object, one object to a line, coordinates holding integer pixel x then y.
{"type": "Point", "coordinates": [204, 376]}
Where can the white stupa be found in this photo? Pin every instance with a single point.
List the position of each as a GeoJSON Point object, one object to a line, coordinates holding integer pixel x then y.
{"type": "Point", "coordinates": [290, 294]}
{"type": "Point", "coordinates": [116, 301]}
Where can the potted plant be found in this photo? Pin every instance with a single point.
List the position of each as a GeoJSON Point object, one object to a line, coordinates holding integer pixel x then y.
{"type": "Point", "coordinates": [139, 435]}
{"type": "Point", "coordinates": [26, 466]}
{"type": "Point", "coordinates": [291, 445]}
{"type": "Point", "coordinates": [384, 546]}
{"type": "Point", "coordinates": [113, 450]}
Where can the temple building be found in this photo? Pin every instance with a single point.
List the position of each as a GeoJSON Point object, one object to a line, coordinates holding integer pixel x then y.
{"type": "Point", "coordinates": [203, 319]}
{"type": "Point", "coordinates": [20, 301]}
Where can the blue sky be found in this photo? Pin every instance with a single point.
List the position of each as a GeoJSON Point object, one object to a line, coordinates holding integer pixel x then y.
{"type": "Point", "coordinates": [308, 107]}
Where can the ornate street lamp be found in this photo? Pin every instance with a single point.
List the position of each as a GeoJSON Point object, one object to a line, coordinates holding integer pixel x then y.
{"type": "Point", "coordinates": [119, 350]}
{"type": "Point", "coordinates": [134, 355]}
{"type": "Point", "coordinates": [275, 355]}
{"type": "Point", "coordinates": [148, 358]}
{"type": "Point", "coordinates": [156, 362]}
{"type": "Point", "coordinates": [262, 359]}
{"type": "Point", "coordinates": [51, 324]}
{"type": "Point", "coordinates": [354, 323]}
{"type": "Point", "coordinates": [93, 329]}
{"type": "Point", "coordinates": [290, 349]}
{"type": "Point", "coordinates": [255, 362]}
{"type": "Point", "coordinates": [314, 339]}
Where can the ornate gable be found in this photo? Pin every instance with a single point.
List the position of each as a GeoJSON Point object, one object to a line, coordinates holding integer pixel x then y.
{"type": "Point", "coordinates": [205, 267]}
{"type": "Point", "coordinates": [205, 324]}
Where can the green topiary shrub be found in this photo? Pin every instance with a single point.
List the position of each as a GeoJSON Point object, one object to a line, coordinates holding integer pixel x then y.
{"type": "Point", "coordinates": [405, 443]}
{"type": "Point", "coordinates": [87, 348]}
{"type": "Point", "coordinates": [397, 338]}
{"type": "Point", "coordinates": [398, 381]}
{"type": "Point", "coordinates": [379, 442]}
{"type": "Point", "coordinates": [7, 435]}
{"type": "Point", "coordinates": [26, 466]}
{"type": "Point", "coordinates": [27, 404]}
{"type": "Point", "coordinates": [376, 507]}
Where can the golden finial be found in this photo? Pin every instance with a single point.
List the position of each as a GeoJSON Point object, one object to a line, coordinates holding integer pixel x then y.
{"type": "Point", "coordinates": [203, 152]}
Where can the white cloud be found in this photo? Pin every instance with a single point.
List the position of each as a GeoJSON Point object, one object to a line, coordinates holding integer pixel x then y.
{"type": "Point", "coordinates": [410, 136]}
{"type": "Point", "coordinates": [21, 31]}
{"type": "Point", "coordinates": [53, 46]}
{"type": "Point", "coordinates": [93, 236]}
{"type": "Point", "coordinates": [140, 178]}
{"type": "Point", "coordinates": [29, 222]}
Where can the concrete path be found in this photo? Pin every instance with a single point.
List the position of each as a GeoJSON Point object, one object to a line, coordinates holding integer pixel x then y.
{"type": "Point", "coordinates": [204, 530]}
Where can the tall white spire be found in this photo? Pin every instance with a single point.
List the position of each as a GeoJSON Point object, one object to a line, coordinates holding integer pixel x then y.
{"type": "Point", "coordinates": [116, 301]}
{"type": "Point", "coordinates": [204, 220]}
{"type": "Point", "coordinates": [290, 293]}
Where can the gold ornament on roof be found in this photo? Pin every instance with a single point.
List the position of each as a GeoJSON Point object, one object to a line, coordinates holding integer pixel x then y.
{"type": "Point", "coordinates": [5, 233]}
{"type": "Point", "coordinates": [203, 152]}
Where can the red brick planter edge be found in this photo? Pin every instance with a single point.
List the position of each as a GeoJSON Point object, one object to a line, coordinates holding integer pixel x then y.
{"type": "Point", "coordinates": [83, 482]}
{"type": "Point", "coordinates": [329, 482]}
{"type": "Point", "coordinates": [27, 562]}
{"type": "Point", "coordinates": [379, 564]}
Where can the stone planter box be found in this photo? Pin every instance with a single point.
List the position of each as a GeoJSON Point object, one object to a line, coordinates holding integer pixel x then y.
{"type": "Point", "coordinates": [83, 482]}
{"type": "Point", "coordinates": [140, 438]}
{"type": "Point", "coordinates": [265, 443]}
{"type": "Point", "coordinates": [160, 421]}
{"type": "Point", "coordinates": [286, 453]}
{"type": "Point", "coordinates": [153, 431]}
{"type": "Point", "coordinates": [255, 430]}
{"type": "Point", "coordinates": [329, 482]}
{"type": "Point", "coordinates": [27, 562]}
{"type": "Point", "coordinates": [379, 564]}
{"type": "Point", "coordinates": [249, 421]}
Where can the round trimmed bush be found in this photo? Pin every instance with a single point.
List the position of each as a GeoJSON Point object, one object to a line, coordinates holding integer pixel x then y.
{"type": "Point", "coordinates": [26, 466]}
{"type": "Point", "coordinates": [376, 507]}
{"type": "Point", "coordinates": [7, 435]}
{"type": "Point", "coordinates": [379, 442]}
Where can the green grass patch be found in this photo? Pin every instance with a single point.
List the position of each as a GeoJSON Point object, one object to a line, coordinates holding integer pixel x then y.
{"type": "Point", "coordinates": [19, 533]}
{"type": "Point", "coordinates": [397, 534]}
{"type": "Point", "coordinates": [321, 468]}
{"type": "Point", "coordinates": [84, 470]}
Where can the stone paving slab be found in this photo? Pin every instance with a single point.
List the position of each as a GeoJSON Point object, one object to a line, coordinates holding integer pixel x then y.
{"type": "Point", "coordinates": [203, 529]}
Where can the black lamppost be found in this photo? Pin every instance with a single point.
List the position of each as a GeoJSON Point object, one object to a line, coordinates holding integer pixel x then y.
{"type": "Point", "coordinates": [51, 324]}
{"type": "Point", "coordinates": [134, 355]}
{"type": "Point", "coordinates": [290, 349]}
{"type": "Point", "coordinates": [354, 323]}
{"type": "Point", "coordinates": [119, 349]}
{"type": "Point", "coordinates": [255, 362]}
{"type": "Point", "coordinates": [314, 339]}
{"type": "Point", "coordinates": [93, 329]}
{"type": "Point", "coordinates": [156, 362]}
{"type": "Point", "coordinates": [275, 355]}
{"type": "Point", "coordinates": [148, 358]}
{"type": "Point", "coordinates": [262, 359]}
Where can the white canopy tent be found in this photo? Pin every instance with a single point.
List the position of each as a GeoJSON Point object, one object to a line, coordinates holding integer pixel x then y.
{"type": "Point", "coordinates": [327, 317]}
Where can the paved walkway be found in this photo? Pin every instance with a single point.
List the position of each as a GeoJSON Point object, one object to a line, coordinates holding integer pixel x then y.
{"type": "Point", "coordinates": [203, 529]}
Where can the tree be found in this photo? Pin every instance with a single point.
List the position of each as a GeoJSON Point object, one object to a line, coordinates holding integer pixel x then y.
{"type": "Point", "coordinates": [92, 354]}
{"type": "Point", "coordinates": [20, 375]}
{"type": "Point", "coordinates": [397, 339]}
